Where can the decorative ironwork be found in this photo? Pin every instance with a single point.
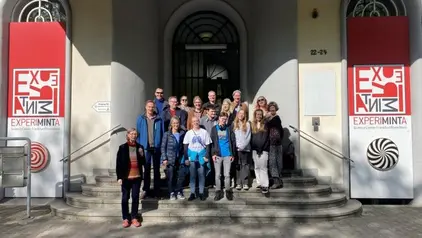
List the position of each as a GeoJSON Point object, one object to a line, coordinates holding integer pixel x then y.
{"type": "Point", "coordinates": [376, 8]}
{"type": "Point", "coordinates": [40, 11]}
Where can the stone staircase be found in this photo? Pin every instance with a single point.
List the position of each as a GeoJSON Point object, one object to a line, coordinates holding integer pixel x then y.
{"type": "Point", "coordinates": [301, 199]}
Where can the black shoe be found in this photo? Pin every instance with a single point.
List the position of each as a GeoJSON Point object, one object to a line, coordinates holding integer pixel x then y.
{"type": "Point", "coordinates": [264, 190]}
{"type": "Point", "coordinates": [202, 197]}
{"type": "Point", "coordinates": [191, 197]}
{"type": "Point", "coordinates": [229, 195]}
{"type": "Point", "coordinates": [218, 195]}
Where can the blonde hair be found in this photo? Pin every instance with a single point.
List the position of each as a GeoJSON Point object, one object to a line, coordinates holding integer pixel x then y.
{"type": "Point", "coordinates": [175, 118]}
{"type": "Point", "coordinates": [241, 125]}
{"type": "Point", "coordinates": [254, 124]}
{"type": "Point", "coordinates": [229, 102]}
{"type": "Point", "coordinates": [129, 131]}
{"type": "Point", "coordinates": [197, 98]}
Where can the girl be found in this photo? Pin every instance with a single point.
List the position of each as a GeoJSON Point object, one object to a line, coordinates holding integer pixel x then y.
{"type": "Point", "coordinates": [260, 146]}
{"type": "Point", "coordinates": [276, 149]}
{"type": "Point", "coordinates": [172, 158]}
{"type": "Point", "coordinates": [242, 131]}
{"type": "Point", "coordinates": [225, 107]}
{"type": "Point", "coordinates": [129, 161]}
{"type": "Point", "coordinates": [196, 111]}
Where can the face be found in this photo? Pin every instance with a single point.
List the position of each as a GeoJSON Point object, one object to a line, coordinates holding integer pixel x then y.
{"type": "Point", "coordinates": [211, 113]}
{"type": "Point", "coordinates": [184, 101]}
{"type": "Point", "coordinates": [272, 110]}
{"type": "Point", "coordinates": [236, 97]}
{"type": "Point", "coordinates": [173, 103]}
{"type": "Point", "coordinates": [197, 104]}
{"type": "Point", "coordinates": [211, 96]}
{"type": "Point", "coordinates": [261, 102]}
{"type": "Point", "coordinates": [175, 124]}
{"type": "Point", "coordinates": [149, 108]}
{"type": "Point", "coordinates": [258, 116]}
{"type": "Point", "coordinates": [222, 120]}
{"type": "Point", "coordinates": [132, 135]}
{"type": "Point", "coordinates": [195, 122]}
{"type": "Point", "coordinates": [241, 115]}
{"type": "Point", "coordinates": [225, 106]}
{"type": "Point", "coordinates": [159, 93]}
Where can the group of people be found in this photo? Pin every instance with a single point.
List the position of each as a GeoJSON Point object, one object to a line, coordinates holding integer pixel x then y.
{"type": "Point", "coordinates": [211, 143]}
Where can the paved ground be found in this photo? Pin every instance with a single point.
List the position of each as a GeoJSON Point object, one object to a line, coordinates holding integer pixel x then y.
{"type": "Point", "coordinates": [377, 221]}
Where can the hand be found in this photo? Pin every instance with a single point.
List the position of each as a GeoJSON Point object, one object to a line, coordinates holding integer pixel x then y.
{"type": "Point", "coordinates": [214, 158]}
{"type": "Point", "coordinates": [187, 162]}
{"type": "Point", "coordinates": [119, 182]}
{"type": "Point", "coordinates": [141, 152]}
{"type": "Point", "coordinates": [165, 162]}
{"type": "Point", "coordinates": [205, 159]}
{"type": "Point", "coordinates": [231, 158]}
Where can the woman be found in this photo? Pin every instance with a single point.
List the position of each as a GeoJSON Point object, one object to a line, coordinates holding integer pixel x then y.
{"type": "Point", "coordinates": [197, 145]}
{"type": "Point", "coordinates": [276, 149]}
{"type": "Point", "coordinates": [197, 111]}
{"type": "Point", "coordinates": [172, 158]}
{"type": "Point", "coordinates": [225, 107]}
{"type": "Point", "coordinates": [261, 103]}
{"type": "Point", "coordinates": [184, 104]}
{"type": "Point", "coordinates": [242, 132]}
{"type": "Point", "coordinates": [129, 161]}
{"type": "Point", "coordinates": [260, 146]}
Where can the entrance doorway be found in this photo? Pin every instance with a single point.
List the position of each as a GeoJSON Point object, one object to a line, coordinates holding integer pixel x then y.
{"type": "Point", "coordinates": [206, 56]}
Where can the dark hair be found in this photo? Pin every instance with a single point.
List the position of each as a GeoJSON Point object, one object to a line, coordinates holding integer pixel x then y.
{"type": "Point", "coordinates": [224, 114]}
{"type": "Point", "coordinates": [272, 104]}
{"type": "Point", "coordinates": [210, 107]}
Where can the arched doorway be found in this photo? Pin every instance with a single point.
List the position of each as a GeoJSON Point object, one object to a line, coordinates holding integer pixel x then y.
{"type": "Point", "coordinates": [206, 56]}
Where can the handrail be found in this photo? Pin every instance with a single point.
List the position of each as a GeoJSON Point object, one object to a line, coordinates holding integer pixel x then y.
{"type": "Point", "coordinates": [300, 132]}
{"type": "Point", "coordinates": [113, 131]}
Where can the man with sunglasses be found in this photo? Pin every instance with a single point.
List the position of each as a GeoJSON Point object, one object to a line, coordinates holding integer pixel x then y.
{"type": "Point", "coordinates": [160, 101]}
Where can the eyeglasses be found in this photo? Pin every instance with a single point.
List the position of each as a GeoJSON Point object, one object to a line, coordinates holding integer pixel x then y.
{"type": "Point", "coordinates": [261, 99]}
{"type": "Point", "coordinates": [159, 92]}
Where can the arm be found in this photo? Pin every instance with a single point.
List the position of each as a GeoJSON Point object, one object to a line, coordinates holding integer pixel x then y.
{"type": "Point", "coordinates": [143, 160]}
{"type": "Point", "coordinates": [185, 151]}
{"type": "Point", "coordinates": [164, 147]}
{"type": "Point", "coordinates": [184, 120]}
{"type": "Point", "coordinates": [208, 150]}
{"type": "Point", "coordinates": [119, 164]}
{"type": "Point", "coordinates": [248, 134]}
{"type": "Point", "coordinates": [213, 135]}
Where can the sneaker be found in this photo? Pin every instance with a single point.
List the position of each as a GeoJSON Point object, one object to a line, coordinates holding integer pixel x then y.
{"type": "Point", "coordinates": [180, 196]}
{"type": "Point", "coordinates": [264, 190]}
{"type": "Point", "coordinates": [239, 187]}
{"type": "Point", "coordinates": [245, 187]}
{"type": "Point", "coordinates": [229, 195]}
{"type": "Point", "coordinates": [125, 223]}
{"type": "Point", "coordinates": [258, 187]}
{"type": "Point", "coordinates": [218, 195]}
{"type": "Point", "coordinates": [191, 197]}
{"type": "Point", "coordinates": [172, 197]}
{"type": "Point", "coordinates": [136, 223]}
{"type": "Point", "coordinates": [202, 197]}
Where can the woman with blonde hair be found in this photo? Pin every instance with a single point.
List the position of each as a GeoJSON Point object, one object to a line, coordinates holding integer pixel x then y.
{"type": "Point", "coordinates": [261, 103]}
{"type": "Point", "coordinates": [225, 107]}
{"type": "Point", "coordinates": [129, 161]}
{"type": "Point", "coordinates": [242, 132]}
{"type": "Point", "coordinates": [196, 111]}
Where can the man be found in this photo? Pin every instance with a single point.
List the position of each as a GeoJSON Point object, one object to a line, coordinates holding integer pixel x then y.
{"type": "Point", "coordinates": [212, 101]}
{"type": "Point", "coordinates": [237, 104]}
{"type": "Point", "coordinates": [209, 120]}
{"type": "Point", "coordinates": [172, 111]}
{"type": "Point", "coordinates": [184, 103]}
{"type": "Point", "coordinates": [222, 151]}
{"type": "Point", "coordinates": [149, 127]}
{"type": "Point", "coordinates": [160, 101]}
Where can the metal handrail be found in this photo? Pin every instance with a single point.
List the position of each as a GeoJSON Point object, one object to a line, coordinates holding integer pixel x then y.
{"type": "Point", "coordinates": [113, 131]}
{"type": "Point", "coordinates": [339, 154]}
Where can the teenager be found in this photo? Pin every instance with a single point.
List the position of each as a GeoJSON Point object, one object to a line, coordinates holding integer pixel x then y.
{"type": "Point", "coordinates": [260, 145]}
{"type": "Point", "coordinates": [225, 107]}
{"type": "Point", "coordinates": [173, 111]}
{"type": "Point", "coordinates": [276, 131]}
{"type": "Point", "coordinates": [197, 145]}
{"type": "Point", "coordinates": [149, 126]}
{"type": "Point", "coordinates": [242, 132]}
{"type": "Point", "coordinates": [172, 158]}
{"type": "Point", "coordinates": [129, 161]}
{"type": "Point", "coordinates": [210, 119]}
{"type": "Point", "coordinates": [223, 155]}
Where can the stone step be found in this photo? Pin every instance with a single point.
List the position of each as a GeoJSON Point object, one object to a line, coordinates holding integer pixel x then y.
{"type": "Point", "coordinates": [81, 201]}
{"type": "Point", "coordinates": [314, 191]}
{"type": "Point", "coordinates": [106, 181]}
{"type": "Point", "coordinates": [285, 173]}
{"type": "Point", "coordinates": [351, 208]}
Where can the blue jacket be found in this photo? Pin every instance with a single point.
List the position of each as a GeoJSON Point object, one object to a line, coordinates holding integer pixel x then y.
{"type": "Point", "coordinates": [171, 150]}
{"type": "Point", "coordinates": [142, 128]}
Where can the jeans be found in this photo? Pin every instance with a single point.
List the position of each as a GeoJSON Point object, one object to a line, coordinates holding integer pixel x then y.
{"type": "Point", "coordinates": [261, 168]}
{"type": "Point", "coordinates": [224, 162]}
{"type": "Point", "coordinates": [152, 157]}
{"type": "Point", "coordinates": [172, 179]}
{"type": "Point", "coordinates": [127, 186]}
{"type": "Point", "coordinates": [196, 169]}
{"type": "Point", "coordinates": [242, 173]}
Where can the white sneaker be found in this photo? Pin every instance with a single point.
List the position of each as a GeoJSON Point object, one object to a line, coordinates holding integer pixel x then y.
{"type": "Point", "coordinates": [180, 196]}
{"type": "Point", "coordinates": [172, 197]}
{"type": "Point", "coordinates": [245, 187]}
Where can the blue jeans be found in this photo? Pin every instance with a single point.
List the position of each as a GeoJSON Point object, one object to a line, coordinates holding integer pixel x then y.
{"type": "Point", "coordinates": [196, 169]}
{"type": "Point", "coordinates": [173, 179]}
{"type": "Point", "coordinates": [152, 157]}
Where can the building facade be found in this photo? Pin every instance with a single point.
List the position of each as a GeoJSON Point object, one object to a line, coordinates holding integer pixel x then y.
{"type": "Point", "coordinates": [294, 52]}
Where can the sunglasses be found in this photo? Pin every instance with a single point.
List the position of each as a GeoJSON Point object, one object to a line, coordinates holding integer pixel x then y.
{"type": "Point", "coordinates": [261, 99]}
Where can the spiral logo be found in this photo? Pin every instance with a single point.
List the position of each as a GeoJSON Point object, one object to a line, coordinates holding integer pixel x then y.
{"type": "Point", "coordinates": [382, 154]}
{"type": "Point", "coordinates": [39, 157]}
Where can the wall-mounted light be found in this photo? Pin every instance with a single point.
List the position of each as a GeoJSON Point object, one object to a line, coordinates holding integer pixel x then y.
{"type": "Point", "coordinates": [315, 13]}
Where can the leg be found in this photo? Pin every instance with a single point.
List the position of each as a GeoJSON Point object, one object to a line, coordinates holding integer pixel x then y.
{"type": "Point", "coordinates": [217, 167]}
{"type": "Point", "coordinates": [180, 179]}
{"type": "Point", "coordinates": [255, 158]}
{"type": "Point", "coordinates": [226, 165]}
{"type": "Point", "coordinates": [136, 185]}
{"type": "Point", "coordinates": [157, 177]}
{"type": "Point", "coordinates": [244, 168]}
{"type": "Point", "coordinates": [125, 199]}
{"type": "Point", "coordinates": [272, 164]}
{"type": "Point", "coordinates": [280, 160]}
{"type": "Point", "coordinates": [170, 175]}
{"type": "Point", "coordinates": [192, 177]}
{"type": "Point", "coordinates": [147, 171]}
{"type": "Point", "coordinates": [262, 162]}
{"type": "Point", "coordinates": [201, 178]}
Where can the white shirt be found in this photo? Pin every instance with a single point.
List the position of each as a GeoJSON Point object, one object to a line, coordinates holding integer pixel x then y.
{"type": "Point", "coordinates": [197, 140]}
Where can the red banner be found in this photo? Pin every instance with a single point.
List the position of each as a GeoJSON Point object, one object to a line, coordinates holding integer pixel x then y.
{"type": "Point", "coordinates": [378, 65]}
{"type": "Point", "coordinates": [36, 69]}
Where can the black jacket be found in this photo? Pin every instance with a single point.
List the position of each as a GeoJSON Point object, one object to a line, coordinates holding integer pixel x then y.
{"type": "Point", "coordinates": [181, 114]}
{"type": "Point", "coordinates": [275, 124]}
{"type": "Point", "coordinates": [260, 141]}
{"type": "Point", "coordinates": [123, 161]}
{"type": "Point", "coordinates": [215, 149]}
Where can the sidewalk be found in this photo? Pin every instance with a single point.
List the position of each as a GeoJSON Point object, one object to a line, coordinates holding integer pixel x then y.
{"type": "Point", "coordinates": [377, 221]}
